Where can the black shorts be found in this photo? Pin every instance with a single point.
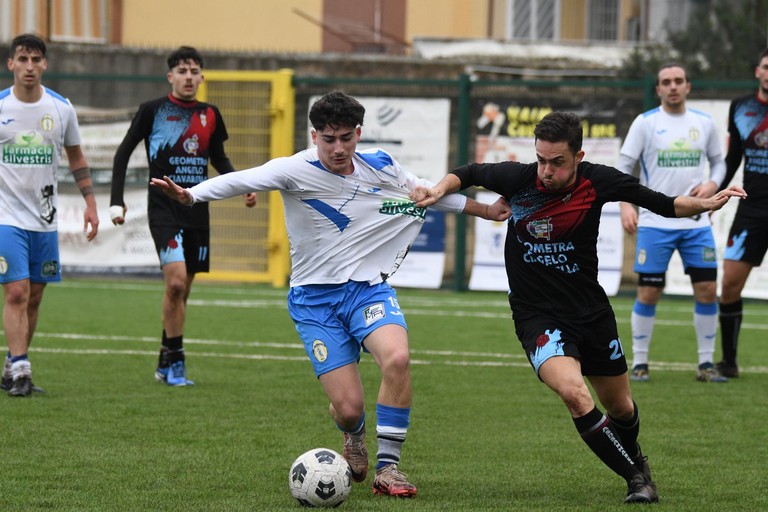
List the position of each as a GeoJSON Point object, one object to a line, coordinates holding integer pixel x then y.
{"type": "Point", "coordinates": [594, 341]}
{"type": "Point", "coordinates": [174, 244]}
{"type": "Point", "coordinates": [747, 240]}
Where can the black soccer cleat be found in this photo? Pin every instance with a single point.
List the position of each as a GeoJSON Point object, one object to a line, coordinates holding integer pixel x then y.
{"type": "Point", "coordinates": [728, 370]}
{"type": "Point", "coordinates": [641, 490]}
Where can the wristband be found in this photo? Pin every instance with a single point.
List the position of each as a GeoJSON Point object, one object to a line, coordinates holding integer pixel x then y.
{"type": "Point", "coordinates": [116, 211]}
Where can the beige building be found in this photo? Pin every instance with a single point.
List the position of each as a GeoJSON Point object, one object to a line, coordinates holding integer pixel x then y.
{"type": "Point", "coordinates": [311, 26]}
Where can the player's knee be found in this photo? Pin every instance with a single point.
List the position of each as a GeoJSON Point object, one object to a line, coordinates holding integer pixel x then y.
{"type": "Point", "coordinates": [577, 399]}
{"type": "Point", "coordinates": [16, 295]}
{"type": "Point", "coordinates": [398, 360]}
{"type": "Point", "coordinates": [176, 288]}
{"type": "Point", "coordinates": [348, 412]}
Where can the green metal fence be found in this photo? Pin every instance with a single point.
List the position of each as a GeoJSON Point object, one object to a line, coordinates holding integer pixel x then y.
{"type": "Point", "coordinates": [610, 104]}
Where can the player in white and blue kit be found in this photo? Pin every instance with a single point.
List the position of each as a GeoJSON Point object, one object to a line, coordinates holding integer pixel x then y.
{"type": "Point", "coordinates": [35, 124]}
{"type": "Point", "coordinates": [674, 145]}
{"type": "Point", "coordinates": [350, 223]}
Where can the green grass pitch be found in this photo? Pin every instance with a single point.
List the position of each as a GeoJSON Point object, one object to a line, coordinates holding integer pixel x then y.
{"type": "Point", "coordinates": [485, 433]}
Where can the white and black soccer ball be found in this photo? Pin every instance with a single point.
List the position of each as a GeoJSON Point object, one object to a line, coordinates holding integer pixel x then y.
{"type": "Point", "coordinates": [320, 478]}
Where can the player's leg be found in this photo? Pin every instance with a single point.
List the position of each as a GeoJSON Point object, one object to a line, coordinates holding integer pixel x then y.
{"type": "Point", "coordinates": [705, 324]}
{"type": "Point", "coordinates": [735, 274]}
{"type": "Point", "coordinates": [35, 299]}
{"type": "Point", "coordinates": [17, 376]}
{"type": "Point", "coordinates": [563, 376]}
{"type": "Point", "coordinates": [317, 312]}
{"type": "Point", "coordinates": [178, 284]}
{"type": "Point", "coordinates": [643, 321]}
{"type": "Point", "coordinates": [344, 390]}
{"type": "Point", "coordinates": [653, 251]}
{"type": "Point", "coordinates": [699, 256]}
{"type": "Point", "coordinates": [389, 347]}
{"type": "Point", "coordinates": [553, 349]}
{"type": "Point", "coordinates": [746, 248]}
{"type": "Point", "coordinates": [614, 394]}
{"type": "Point", "coordinates": [24, 254]}
{"type": "Point", "coordinates": [169, 242]}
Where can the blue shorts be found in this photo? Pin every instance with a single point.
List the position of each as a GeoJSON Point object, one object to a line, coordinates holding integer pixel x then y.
{"type": "Point", "coordinates": [32, 255]}
{"type": "Point", "coordinates": [655, 247]}
{"type": "Point", "coordinates": [333, 320]}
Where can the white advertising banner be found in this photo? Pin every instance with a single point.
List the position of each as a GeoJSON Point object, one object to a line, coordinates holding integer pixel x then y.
{"type": "Point", "coordinates": [116, 249]}
{"type": "Point", "coordinates": [678, 283]}
{"type": "Point", "coordinates": [488, 264]}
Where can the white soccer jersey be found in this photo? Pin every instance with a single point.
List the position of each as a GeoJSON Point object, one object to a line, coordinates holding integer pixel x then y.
{"type": "Point", "coordinates": [31, 139]}
{"type": "Point", "coordinates": [341, 228]}
{"type": "Point", "coordinates": [673, 150]}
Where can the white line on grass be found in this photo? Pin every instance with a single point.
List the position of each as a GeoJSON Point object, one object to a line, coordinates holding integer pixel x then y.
{"type": "Point", "coordinates": [496, 359]}
{"type": "Point", "coordinates": [470, 301]}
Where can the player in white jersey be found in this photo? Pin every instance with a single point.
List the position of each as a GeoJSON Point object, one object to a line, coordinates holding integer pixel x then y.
{"type": "Point", "coordinates": [35, 123]}
{"type": "Point", "coordinates": [350, 223]}
{"type": "Point", "coordinates": [673, 145]}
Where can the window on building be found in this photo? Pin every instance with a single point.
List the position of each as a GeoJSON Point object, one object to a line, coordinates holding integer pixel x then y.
{"type": "Point", "coordinates": [603, 20]}
{"type": "Point", "coordinates": [533, 20]}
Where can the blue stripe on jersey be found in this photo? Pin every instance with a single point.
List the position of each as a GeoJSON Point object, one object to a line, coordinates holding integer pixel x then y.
{"type": "Point", "coordinates": [5, 93]}
{"type": "Point", "coordinates": [377, 160]}
{"type": "Point", "coordinates": [651, 112]}
{"type": "Point", "coordinates": [317, 164]}
{"type": "Point", "coordinates": [56, 95]}
{"type": "Point", "coordinates": [339, 219]}
{"type": "Point", "coordinates": [699, 112]}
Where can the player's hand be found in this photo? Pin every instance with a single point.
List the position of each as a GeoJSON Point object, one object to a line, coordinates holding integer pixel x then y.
{"type": "Point", "coordinates": [628, 218]}
{"type": "Point", "coordinates": [250, 199]}
{"type": "Point", "coordinates": [704, 190]}
{"type": "Point", "coordinates": [500, 210]}
{"type": "Point", "coordinates": [424, 196]}
{"type": "Point", "coordinates": [117, 214]}
{"type": "Point", "coordinates": [173, 190]}
{"type": "Point", "coordinates": [90, 217]}
{"type": "Point", "coordinates": [718, 200]}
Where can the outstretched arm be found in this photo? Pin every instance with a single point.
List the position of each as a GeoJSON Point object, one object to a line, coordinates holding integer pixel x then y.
{"type": "Point", "coordinates": [427, 196]}
{"type": "Point", "coordinates": [686, 206]}
{"type": "Point", "coordinates": [173, 190]}
{"type": "Point", "coordinates": [498, 211]}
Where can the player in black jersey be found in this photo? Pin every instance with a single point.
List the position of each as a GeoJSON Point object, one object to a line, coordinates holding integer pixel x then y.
{"type": "Point", "coordinates": [181, 136]}
{"type": "Point", "coordinates": [748, 237]}
{"type": "Point", "coordinates": [562, 315]}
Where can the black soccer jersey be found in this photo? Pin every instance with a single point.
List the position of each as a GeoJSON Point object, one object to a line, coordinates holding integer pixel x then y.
{"type": "Point", "coordinates": [180, 138]}
{"type": "Point", "coordinates": [551, 246]}
{"type": "Point", "coordinates": [748, 138]}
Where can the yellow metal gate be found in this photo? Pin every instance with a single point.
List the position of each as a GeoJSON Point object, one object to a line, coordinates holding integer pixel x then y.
{"type": "Point", "coordinates": [250, 244]}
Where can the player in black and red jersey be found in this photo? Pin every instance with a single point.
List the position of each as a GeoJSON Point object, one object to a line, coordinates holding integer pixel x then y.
{"type": "Point", "coordinates": [748, 237]}
{"type": "Point", "coordinates": [181, 136]}
{"type": "Point", "coordinates": [562, 315]}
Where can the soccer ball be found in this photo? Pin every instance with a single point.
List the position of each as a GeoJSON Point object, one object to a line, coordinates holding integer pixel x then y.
{"type": "Point", "coordinates": [320, 478]}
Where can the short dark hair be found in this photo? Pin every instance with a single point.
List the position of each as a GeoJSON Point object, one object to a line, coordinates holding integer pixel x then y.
{"type": "Point", "coordinates": [184, 53]}
{"type": "Point", "coordinates": [672, 65]}
{"type": "Point", "coordinates": [29, 42]}
{"type": "Point", "coordinates": [763, 55]}
{"type": "Point", "coordinates": [336, 109]}
{"type": "Point", "coordinates": [561, 126]}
